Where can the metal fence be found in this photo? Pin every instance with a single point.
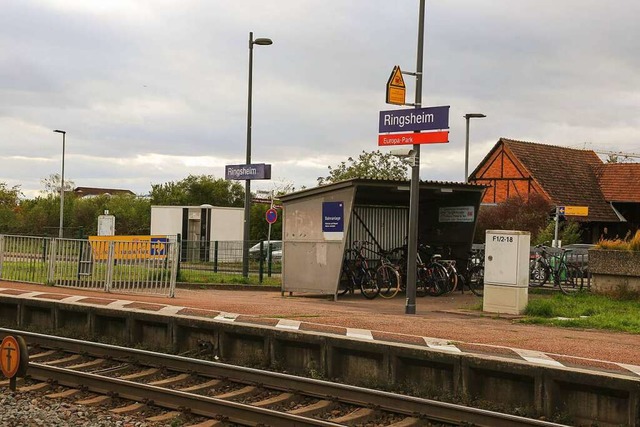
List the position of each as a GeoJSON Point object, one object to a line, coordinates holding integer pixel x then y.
{"type": "Point", "coordinates": [124, 266]}
{"type": "Point", "coordinates": [221, 262]}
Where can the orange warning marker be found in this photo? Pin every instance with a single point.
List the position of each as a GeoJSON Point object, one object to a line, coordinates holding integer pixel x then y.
{"type": "Point", "coordinates": [396, 90]}
{"type": "Point", "coordinates": [9, 356]}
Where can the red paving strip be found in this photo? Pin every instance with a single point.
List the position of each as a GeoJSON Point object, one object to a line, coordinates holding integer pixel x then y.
{"type": "Point", "coordinates": [13, 292]}
{"type": "Point", "coordinates": [486, 349]}
{"type": "Point", "coordinates": [57, 297]}
{"type": "Point", "coordinates": [96, 301]}
{"type": "Point", "coordinates": [144, 306]}
{"type": "Point", "coordinates": [258, 320]}
{"type": "Point", "coordinates": [576, 362]}
{"type": "Point", "coordinates": [398, 338]}
{"type": "Point", "coordinates": [194, 312]}
{"type": "Point", "coordinates": [315, 327]}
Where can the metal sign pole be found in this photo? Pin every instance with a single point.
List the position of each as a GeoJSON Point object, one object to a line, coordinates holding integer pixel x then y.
{"type": "Point", "coordinates": [555, 241]}
{"type": "Point", "coordinates": [414, 196]}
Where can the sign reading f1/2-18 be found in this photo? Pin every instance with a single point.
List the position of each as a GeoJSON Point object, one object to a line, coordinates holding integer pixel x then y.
{"type": "Point", "coordinates": [434, 120]}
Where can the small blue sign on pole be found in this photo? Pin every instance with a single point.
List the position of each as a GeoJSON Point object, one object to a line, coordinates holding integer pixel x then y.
{"type": "Point", "coordinates": [332, 217]}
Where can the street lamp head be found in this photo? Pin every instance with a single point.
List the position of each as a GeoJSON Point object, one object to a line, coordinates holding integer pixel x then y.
{"type": "Point", "coordinates": [474, 116]}
{"type": "Point", "coordinates": [263, 41]}
{"type": "Point", "coordinates": [59, 131]}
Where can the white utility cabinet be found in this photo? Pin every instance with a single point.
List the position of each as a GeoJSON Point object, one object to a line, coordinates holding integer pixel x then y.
{"type": "Point", "coordinates": [506, 271]}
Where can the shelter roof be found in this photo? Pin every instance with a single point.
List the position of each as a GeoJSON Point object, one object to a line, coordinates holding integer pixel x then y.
{"type": "Point", "coordinates": [380, 184]}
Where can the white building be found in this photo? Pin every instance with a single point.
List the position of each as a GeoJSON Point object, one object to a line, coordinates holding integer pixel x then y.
{"type": "Point", "coordinates": [199, 228]}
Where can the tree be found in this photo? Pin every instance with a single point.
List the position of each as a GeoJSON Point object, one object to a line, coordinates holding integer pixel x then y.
{"type": "Point", "coordinates": [197, 190]}
{"type": "Point", "coordinates": [9, 197]}
{"type": "Point", "coordinates": [52, 185]}
{"type": "Point", "coordinates": [515, 213]}
{"type": "Point", "coordinates": [374, 165]}
{"type": "Point", "coordinates": [9, 207]}
{"type": "Point", "coordinates": [568, 233]}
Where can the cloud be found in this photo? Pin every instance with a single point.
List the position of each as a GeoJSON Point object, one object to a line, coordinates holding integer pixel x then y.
{"type": "Point", "coordinates": [151, 91]}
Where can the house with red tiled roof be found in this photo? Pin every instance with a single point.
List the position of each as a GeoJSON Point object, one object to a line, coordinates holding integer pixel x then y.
{"type": "Point", "coordinates": [565, 177]}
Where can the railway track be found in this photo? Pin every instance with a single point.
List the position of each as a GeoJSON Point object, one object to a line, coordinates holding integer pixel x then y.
{"type": "Point", "coordinates": [235, 395]}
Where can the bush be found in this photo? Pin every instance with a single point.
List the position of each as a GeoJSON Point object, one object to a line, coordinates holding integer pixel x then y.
{"type": "Point", "coordinates": [621, 245]}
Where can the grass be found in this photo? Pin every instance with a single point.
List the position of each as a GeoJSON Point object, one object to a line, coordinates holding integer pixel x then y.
{"type": "Point", "coordinates": [585, 311]}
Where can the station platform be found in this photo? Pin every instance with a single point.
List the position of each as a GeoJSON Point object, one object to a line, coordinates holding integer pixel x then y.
{"type": "Point", "coordinates": [452, 323]}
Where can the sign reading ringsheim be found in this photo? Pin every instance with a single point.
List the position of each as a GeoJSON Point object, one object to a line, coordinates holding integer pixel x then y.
{"type": "Point", "coordinates": [244, 172]}
{"type": "Point", "coordinates": [415, 119]}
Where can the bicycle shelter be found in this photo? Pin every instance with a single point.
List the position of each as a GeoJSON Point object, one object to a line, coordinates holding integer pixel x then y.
{"type": "Point", "coordinates": [321, 223]}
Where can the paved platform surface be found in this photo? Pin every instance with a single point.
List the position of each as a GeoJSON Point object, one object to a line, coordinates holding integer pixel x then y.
{"type": "Point", "coordinates": [451, 323]}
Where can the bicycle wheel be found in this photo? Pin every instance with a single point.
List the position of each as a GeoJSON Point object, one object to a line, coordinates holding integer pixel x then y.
{"type": "Point", "coordinates": [368, 284]}
{"type": "Point", "coordinates": [435, 280]}
{"type": "Point", "coordinates": [453, 279]}
{"type": "Point", "coordinates": [476, 280]}
{"type": "Point", "coordinates": [538, 274]}
{"type": "Point", "coordinates": [346, 283]}
{"type": "Point", "coordinates": [388, 281]}
{"type": "Point", "coordinates": [570, 280]}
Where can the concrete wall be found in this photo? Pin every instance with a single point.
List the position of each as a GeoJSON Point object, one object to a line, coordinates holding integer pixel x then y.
{"type": "Point", "coordinates": [311, 262]}
{"type": "Point", "coordinates": [578, 396]}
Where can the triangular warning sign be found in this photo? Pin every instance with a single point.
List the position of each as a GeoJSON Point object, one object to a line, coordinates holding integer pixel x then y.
{"type": "Point", "coordinates": [396, 79]}
{"type": "Point", "coordinates": [396, 91]}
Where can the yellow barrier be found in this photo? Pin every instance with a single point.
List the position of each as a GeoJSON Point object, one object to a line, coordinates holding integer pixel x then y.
{"type": "Point", "coordinates": [129, 247]}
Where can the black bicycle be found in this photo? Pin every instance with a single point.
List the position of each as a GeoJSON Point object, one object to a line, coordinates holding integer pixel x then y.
{"type": "Point", "coordinates": [356, 273]}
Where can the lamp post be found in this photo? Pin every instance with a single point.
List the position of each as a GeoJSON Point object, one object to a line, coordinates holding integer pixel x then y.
{"type": "Point", "coordinates": [247, 184]}
{"type": "Point", "coordinates": [469, 116]}
{"type": "Point", "coordinates": [64, 134]}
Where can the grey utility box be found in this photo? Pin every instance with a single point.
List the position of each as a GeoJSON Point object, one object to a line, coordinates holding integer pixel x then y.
{"type": "Point", "coordinates": [506, 271]}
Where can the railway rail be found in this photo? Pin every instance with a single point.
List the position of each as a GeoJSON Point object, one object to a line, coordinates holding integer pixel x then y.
{"type": "Point", "coordinates": [235, 394]}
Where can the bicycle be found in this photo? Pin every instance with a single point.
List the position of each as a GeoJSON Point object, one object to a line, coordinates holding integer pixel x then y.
{"type": "Point", "coordinates": [387, 275]}
{"type": "Point", "coordinates": [433, 277]}
{"type": "Point", "coordinates": [473, 276]}
{"type": "Point", "coordinates": [357, 273]}
{"type": "Point", "coordinates": [539, 268]}
{"type": "Point", "coordinates": [568, 278]}
{"type": "Point", "coordinates": [430, 277]}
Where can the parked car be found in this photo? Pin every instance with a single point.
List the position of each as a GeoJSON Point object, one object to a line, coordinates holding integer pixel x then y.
{"type": "Point", "coordinates": [276, 250]}
{"type": "Point", "coordinates": [579, 254]}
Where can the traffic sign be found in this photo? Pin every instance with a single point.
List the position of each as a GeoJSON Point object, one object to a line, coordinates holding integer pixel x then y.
{"type": "Point", "coordinates": [271, 215]}
{"type": "Point", "coordinates": [573, 210]}
{"type": "Point", "coordinates": [9, 356]}
{"type": "Point", "coordinates": [396, 89]}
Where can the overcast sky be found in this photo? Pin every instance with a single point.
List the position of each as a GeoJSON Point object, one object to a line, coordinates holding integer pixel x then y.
{"type": "Point", "coordinates": [150, 91]}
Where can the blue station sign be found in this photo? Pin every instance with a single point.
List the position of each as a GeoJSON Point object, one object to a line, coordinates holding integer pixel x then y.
{"type": "Point", "coordinates": [415, 119]}
{"type": "Point", "coordinates": [244, 172]}
{"type": "Point", "coordinates": [333, 217]}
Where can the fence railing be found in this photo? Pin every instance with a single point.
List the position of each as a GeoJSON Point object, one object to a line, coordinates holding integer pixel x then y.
{"type": "Point", "coordinates": [221, 262]}
{"type": "Point", "coordinates": [124, 266]}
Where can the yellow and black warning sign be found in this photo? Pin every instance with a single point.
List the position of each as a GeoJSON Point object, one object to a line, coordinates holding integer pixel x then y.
{"type": "Point", "coordinates": [396, 90]}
